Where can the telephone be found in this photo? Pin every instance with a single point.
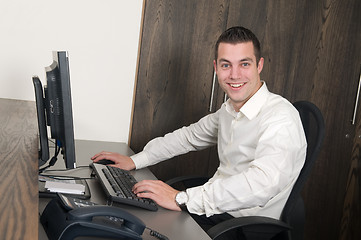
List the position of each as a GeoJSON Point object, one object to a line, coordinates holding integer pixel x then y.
{"type": "Point", "coordinates": [67, 218]}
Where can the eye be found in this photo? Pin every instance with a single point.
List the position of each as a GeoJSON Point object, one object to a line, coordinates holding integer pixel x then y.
{"type": "Point", "coordinates": [225, 65]}
{"type": "Point", "coordinates": [245, 64]}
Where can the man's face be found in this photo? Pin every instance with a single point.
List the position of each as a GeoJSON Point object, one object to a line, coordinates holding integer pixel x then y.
{"type": "Point", "coordinates": [238, 72]}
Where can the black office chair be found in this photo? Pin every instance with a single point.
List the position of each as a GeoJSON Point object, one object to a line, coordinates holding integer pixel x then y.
{"type": "Point", "coordinates": [291, 223]}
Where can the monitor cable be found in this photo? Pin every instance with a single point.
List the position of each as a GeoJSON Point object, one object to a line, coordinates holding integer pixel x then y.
{"type": "Point", "coordinates": [53, 159]}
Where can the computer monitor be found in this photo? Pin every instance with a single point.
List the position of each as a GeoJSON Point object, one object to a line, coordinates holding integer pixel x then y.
{"type": "Point", "coordinates": [54, 109]}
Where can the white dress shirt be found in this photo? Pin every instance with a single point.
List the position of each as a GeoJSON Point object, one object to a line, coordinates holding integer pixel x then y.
{"type": "Point", "coordinates": [261, 150]}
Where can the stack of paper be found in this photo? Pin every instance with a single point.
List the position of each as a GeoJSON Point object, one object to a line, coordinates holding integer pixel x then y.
{"type": "Point", "coordinates": [63, 187]}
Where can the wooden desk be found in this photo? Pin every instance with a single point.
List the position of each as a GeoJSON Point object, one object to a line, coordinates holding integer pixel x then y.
{"type": "Point", "coordinates": [175, 225]}
{"type": "Point", "coordinates": [19, 203]}
{"type": "Point", "coordinates": [18, 170]}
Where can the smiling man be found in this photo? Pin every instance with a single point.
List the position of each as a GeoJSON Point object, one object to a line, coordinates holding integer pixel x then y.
{"type": "Point", "coordinates": [260, 139]}
{"type": "Point", "coordinates": [238, 71]}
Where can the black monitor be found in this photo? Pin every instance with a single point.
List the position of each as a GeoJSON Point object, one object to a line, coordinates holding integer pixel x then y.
{"type": "Point", "coordinates": [54, 109]}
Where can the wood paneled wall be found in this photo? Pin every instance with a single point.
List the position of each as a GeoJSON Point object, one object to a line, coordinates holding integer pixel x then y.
{"type": "Point", "coordinates": [312, 52]}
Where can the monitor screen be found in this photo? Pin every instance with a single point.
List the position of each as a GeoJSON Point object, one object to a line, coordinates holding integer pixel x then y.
{"type": "Point", "coordinates": [54, 109]}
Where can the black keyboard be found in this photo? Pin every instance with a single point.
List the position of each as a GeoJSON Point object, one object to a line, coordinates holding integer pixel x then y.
{"type": "Point", "coordinates": [118, 184]}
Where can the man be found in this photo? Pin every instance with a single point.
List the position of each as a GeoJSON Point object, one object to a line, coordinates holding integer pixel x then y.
{"type": "Point", "coordinates": [261, 143]}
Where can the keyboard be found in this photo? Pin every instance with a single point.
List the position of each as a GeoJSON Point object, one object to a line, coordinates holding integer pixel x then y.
{"type": "Point", "coordinates": [117, 184]}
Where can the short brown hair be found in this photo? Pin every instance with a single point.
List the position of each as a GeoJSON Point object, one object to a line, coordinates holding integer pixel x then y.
{"type": "Point", "coordinates": [239, 35]}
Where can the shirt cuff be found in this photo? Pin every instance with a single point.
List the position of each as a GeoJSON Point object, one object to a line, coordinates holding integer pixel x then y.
{"type": "Point", "coordinates": [195, 200]}
{"type": "Point", "coordinates": [140, 160]}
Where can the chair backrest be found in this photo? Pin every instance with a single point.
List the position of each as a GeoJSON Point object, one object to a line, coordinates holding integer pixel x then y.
{"type": "Point", "coordinates": [314, 127]}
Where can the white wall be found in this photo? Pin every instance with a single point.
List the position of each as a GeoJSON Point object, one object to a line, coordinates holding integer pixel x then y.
{"type": "Point", "coordinates": [101, 37]}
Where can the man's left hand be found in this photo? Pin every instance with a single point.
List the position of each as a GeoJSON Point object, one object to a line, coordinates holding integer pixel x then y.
{"type": "Point", "coordinates": [158, 191]}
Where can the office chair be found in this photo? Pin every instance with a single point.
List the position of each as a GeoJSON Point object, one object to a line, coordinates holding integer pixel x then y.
{"type": "Point", "coordinates": [291, 223]}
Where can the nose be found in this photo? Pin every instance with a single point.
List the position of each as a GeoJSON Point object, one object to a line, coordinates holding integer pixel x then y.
{"type": "Point", "coordinates": [235, 73]}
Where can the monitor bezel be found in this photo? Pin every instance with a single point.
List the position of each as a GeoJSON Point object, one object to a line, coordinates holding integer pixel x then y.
{"type": "Point", "coordinates": [68, 147]}
{"type": "Point", "coordinates": [55, 111]}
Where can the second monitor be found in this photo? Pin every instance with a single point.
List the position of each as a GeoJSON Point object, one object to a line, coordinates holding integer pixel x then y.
{"type": "Point", "coordinates": [54, 109]}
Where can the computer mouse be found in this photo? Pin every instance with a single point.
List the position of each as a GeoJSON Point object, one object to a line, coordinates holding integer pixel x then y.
{"type": "Point", "coordinates": [105, 162]}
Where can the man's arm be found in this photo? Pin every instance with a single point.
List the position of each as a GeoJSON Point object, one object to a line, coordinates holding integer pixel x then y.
{"type": "Point", "coordinates": [195, 137]}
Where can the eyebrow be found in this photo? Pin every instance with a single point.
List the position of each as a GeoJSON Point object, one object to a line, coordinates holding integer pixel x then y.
{"type": "Point", "coordinates": [247, 59]}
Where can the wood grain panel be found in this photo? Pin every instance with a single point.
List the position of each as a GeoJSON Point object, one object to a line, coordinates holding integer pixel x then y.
{"type": "Point", "coordinates": [175, 74]}
{"type": "Point", "coordinates": [311, 51]}
{"type": "Point", "coordinates": [351, 214]}
{"type": "Point", "coordinates": [351, 222]}
{"type": "Point", "coordinates": [18, 164]}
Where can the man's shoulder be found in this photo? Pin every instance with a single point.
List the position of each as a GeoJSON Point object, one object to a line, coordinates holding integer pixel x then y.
{"type": "Point", "coordinates": [276, 104]}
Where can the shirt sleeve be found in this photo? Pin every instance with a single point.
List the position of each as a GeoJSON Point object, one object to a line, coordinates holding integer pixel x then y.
{"type": "Point", "coordinates": [279, 157]}
{"type": "Point", "coordinates": [197, 136]}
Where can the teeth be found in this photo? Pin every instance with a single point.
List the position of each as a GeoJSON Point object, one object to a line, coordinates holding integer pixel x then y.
{"type": "Point", "coordinates": [237, 85]}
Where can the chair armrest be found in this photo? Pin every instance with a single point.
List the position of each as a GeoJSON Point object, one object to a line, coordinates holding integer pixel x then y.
{"type": "Point", "coordinates": [188, 181]}
{"type": "Point", "coordinates": [253, 227]}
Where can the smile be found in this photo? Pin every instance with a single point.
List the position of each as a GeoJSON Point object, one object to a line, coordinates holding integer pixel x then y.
{"type": "Point", "coordinates": [236, 85]}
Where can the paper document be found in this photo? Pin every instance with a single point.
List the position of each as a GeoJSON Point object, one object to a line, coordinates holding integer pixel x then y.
{"type": "Point", "coordinates": [61, 187]}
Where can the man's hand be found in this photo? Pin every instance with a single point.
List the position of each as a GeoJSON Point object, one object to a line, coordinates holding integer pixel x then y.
{"type": "Point", "coordinates": [158, 191]}
{"type": "Point", "coordinates": [120, 161]}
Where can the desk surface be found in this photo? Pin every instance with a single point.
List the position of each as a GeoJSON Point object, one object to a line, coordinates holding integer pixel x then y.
{"type": "Point", "coordinates": [175, 225]}
{"type": "Point", "coordinates": [18, 170]}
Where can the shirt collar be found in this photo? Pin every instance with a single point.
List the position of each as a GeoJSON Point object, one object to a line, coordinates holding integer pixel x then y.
{"type": "Point", "coordinates": [253, 106]}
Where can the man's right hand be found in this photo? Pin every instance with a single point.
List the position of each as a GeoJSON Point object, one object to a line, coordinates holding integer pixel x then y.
{"type": "Point", "coordinates": [120, 161]}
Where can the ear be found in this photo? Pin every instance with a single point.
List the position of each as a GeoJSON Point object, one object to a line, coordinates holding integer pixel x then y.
{"type": "Point", "coordinates": [260, 65]}
{"type": "Point", "coordinates": [215, 65]}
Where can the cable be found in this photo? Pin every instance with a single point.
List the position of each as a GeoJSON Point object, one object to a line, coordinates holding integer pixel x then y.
{"type": "Point", "coordinates": [60, 177]}
{"type": "Point", "coordinates": [53, 159]}
{"type": "Point", "coordinates": [65, 170]}
{"type": "Point", "coordinates": [48, 173]}
{"type": "Point", "coordinates": [157, 234]}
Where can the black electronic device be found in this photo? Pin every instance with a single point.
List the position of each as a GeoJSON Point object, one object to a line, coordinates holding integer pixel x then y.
{"type": "Point", "coordinates": [118, 184]}
{"type": "Point", "coordinates": [43, 133]}
{"type": "Point", "coordinates": [54, 109]}
{"type": "Point", "coordinates": [67, 218]}
{"type": "Point", "coordinates": [105, 162]}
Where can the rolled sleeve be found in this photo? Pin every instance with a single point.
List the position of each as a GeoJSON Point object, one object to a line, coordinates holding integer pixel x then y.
{"type": "Point", "coordinates": [140, 160]}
